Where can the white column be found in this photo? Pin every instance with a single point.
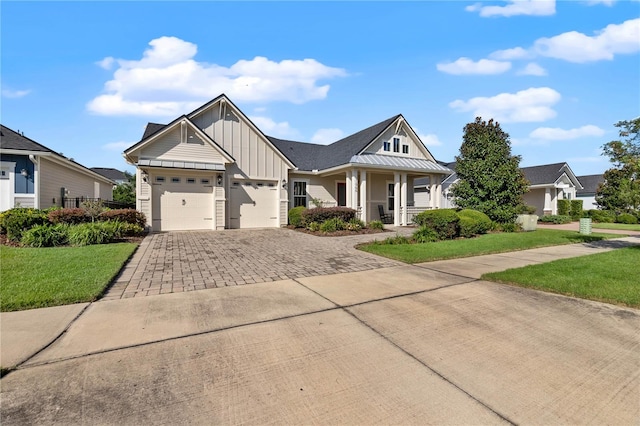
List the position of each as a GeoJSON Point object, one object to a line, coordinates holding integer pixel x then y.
{"type": "Point", "coordinates": [396, 199]}
{"type": "Point", "coordinates": [403, 200]}
{"type": "Point", "coordinates": [432, 194]}
{"type": "Point", "coordinates": [547, 202]}
{"type": "Point", "coordinates": [438, 195]}
{"type": "Point", "coordinates": [554, 201]}
{"type": "Point", "coordinates": [348, 188]}
{"type": "Point", "coordinates": [363, 195]}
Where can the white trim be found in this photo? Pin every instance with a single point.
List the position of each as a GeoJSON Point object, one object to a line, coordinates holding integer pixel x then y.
{"type": "Point", "coordinates": [291, 191]}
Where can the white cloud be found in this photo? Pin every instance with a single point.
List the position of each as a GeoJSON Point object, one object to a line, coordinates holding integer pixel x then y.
{"type": "Point", "coordinates": [117, 146]}
{"type": "Point", "coordinates": [467, 66]}
{"type": "Point", "coordinates": [509, 54]}
{"type": "Point", "coordinates": [573, 46]}
{"type": "Point", "coordinates": [532, 69]}
{"type": "Point", "coordinates": [516, 7]}
{"type": "Point", "coordinates": [327, 136]}
{"type": "Point", "coordinates": [556, 134]}
{"type": "Point", "coordinates": [530, 105]}
{"type": "Point", "coordinates": [430, 139]}
{"type": "Point", "coordinates": [168, 81]}
{"type": "Point", "coordinates": [14, 94]}
{"type": "Point", "coordinates": [106, 63]}
{"type": "Point", "coordinates": [273, 128]}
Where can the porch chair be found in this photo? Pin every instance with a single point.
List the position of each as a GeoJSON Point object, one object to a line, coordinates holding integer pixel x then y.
{"type": "Point", "coordinates": [386, 218]}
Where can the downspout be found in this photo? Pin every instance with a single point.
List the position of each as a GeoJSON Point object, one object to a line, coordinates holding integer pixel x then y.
{"type": "Point", "coordinates": [36, 180]}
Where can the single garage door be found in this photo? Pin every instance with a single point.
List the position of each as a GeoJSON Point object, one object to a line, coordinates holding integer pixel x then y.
{"type": "Point", "coordinates": [182, 203]}
{"type": "Point", "coordinates": [253, 204]}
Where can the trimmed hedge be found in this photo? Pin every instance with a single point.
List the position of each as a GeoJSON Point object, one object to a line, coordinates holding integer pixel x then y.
{"type": "Point", "coordinates": [473, 222]}
{"type": "Point", "coordinates": [556, 219]}
{"type": "Point", "coordinates": [564, 207]}
{"type": "Point", "coordinates": [445, 222]}
{"type": "Point", "coordinates": [602, 216]}
{"type": "Point", "coordinates": [132, 216]}
{"type": "Point", "coordinates": [322, 214]}
{"type": "Point", "coordinates": [627, 218]}
{"type": "Point", "coordinates": [576, 209]}
{"type": "Point", "coordinates": [16, 221]}
{"type": "Point", "coordinates": [72, 216]}
{"type": "Point", "coordinates": [295, 216]}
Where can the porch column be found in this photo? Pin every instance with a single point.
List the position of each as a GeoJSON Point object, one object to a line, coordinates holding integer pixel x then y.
{"type": "Point", "coordinates": [403, 200]}
{"type": "Point", "coordinates": [396, 199]}
{"type": "Point", "coordinates": [432, 195]}
{"type": "Point", "coordinates": [554, 201]}
{"type": "Point", "coordinates": [438, 195]}
{"type": "Point", "coordinates": [547, 202]}
{"type": "Point", "coordinates": [348, 188]}
{"type": "Point", "coordinates": [354, 189]}
{"type": "Point", "coordinates": [363, 195]}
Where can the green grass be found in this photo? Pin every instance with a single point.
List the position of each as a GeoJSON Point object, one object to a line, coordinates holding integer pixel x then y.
{"type": "Point", "coordinates": [621, 226]}
{"type": "Point", "coordinates": [484, 244]}
{"type": "Point", "coordinates": [606, 277]}
{"type": "Point", "coordinates": [40, 277]}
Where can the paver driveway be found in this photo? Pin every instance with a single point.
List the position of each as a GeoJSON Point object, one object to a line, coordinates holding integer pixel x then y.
{"type": "Point", "coordinates": [194, 260]}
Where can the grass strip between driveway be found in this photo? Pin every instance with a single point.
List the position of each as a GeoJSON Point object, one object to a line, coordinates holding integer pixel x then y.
{"type": "Point", "coordinates": [617, 226]}
{"type": "Point", "coordinates": [42, 277]}
{"type": "Point", "coordinates": [484, 244]}
{"type": "Point", "coordinates": [610, 277]}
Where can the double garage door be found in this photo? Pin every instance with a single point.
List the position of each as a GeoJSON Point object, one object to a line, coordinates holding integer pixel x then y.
{"type": "Point", "coordinates": [186, 203]}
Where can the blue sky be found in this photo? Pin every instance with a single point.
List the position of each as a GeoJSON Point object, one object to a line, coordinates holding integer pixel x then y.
{"type": "Point", "coordinates": [84, 78]}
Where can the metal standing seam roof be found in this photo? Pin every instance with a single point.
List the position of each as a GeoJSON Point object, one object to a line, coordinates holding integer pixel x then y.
{"type": "Point", "coordinates": [401, 162]}
{"type": "Point", "coordinates": [182, 165]}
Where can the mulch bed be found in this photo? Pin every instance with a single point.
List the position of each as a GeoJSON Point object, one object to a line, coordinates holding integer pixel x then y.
{"type": "Point", "coordinates": [339, 233]}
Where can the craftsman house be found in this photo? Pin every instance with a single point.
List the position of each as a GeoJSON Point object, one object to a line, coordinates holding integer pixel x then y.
{"type": "Point", "coordinates": [213, 169]}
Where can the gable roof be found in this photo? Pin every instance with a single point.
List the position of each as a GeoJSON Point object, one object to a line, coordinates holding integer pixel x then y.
{"type": "Point", "coordinates": [548, 174]}
{"type": "Point", "coordinates": [151, 129]}
{"type": "Point", "coordinates": [589, 184]}
{"type": "Point", "coordinates": [110, 173]}
{"type": "Point", "coordinates": [14, 142]}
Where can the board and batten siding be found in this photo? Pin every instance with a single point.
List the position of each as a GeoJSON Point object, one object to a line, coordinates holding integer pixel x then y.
{"type": "Point", "coordinates": [54, 176]}
{"type": "Point", "coordinates": [377, 147]}
{"type": "Point", "coordinates": [169, 147]}
{"type": "Point", "coordinates": [143, 196]}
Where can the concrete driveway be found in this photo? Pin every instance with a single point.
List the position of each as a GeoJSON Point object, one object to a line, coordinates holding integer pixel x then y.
{"type": "Point", "coordinates": [397, 345]}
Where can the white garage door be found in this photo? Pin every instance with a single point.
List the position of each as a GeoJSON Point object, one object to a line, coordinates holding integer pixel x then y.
{"type": "Point", "coordinates": [253, 204]}
{"type": "Point", "coordinates": [182, 203]}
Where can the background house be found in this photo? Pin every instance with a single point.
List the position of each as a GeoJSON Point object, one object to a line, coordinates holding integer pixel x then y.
{"type": "Point", "coordinates": [112, 174]}
{"type": "Point", "coordinates": [32, 175]}
{"type": "Point", "coordinates": [588, 192]}
{"type": "Point", "coordinates": [213, 169]}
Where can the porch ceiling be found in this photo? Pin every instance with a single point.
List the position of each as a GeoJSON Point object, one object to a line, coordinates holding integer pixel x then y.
{"type": "Point", "coordinates": [391, 162]}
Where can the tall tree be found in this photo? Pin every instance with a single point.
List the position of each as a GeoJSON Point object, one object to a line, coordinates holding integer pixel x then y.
{"type": "Point", "coordinates": [490, 179]}
{"type": "Point", "coordinates": [126, 192]}
{"type": "Point", "coordinates": [621, 188]}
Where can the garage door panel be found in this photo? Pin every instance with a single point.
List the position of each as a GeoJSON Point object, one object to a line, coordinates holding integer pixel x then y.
{"type": "Point", "coordinates": [253, 204]}
{"type": "Point", "coordinates": [182, 206]}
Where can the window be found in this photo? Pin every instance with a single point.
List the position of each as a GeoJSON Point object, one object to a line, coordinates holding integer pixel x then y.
{"type": "Point", "coordinates": [391, 189]}
{"type": "Point", "coordinates": [175, 180]}
{"type": "Point", "coordinates": [205, 181]}
{"type": "Point", "coordinates": [396, 144]}
{"type": "Point", "coordinates": [191, 180]}
{"type": "Point", "coordinates": [159, 179]}
{"type": "Point", "coordinates": [386, 146]}
{"type": "Point", "coordinates": [299, 194]}
{"type": "Point", "coordinates": [405, 149]}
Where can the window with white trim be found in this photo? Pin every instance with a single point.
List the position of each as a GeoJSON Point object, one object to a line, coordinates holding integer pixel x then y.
{"type": "Point", "coordinates": [391, 191]}
{"type": "Point", "coordinates": [405, 149]}
{"type": "Point", "coordinates": [396, 144]}
{"type": "Point", "coordinates": [299, 193]}
{"type": "Point", "coordinates": [386, 145]}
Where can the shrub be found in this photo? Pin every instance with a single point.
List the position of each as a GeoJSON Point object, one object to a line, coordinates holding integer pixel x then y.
{"type": "Point", "coordinates": [313, 226]}
{"type": "Point", "coordinates": [91, 233]}
{"type": "Point", "coordinates": [322, 214]}
{"type": "Point", "coordinates": [376, 224]}
{"type": "Point", "coordinates": [332, 225]}
{"type": "Point", "coordinates": [92, 208]}
{"type": "Point", "coordinates": [444, 221]}
{"type": "Point", "coordinates": [556, 219]}
{"type": "Point", "coordinates": [122, 229]}
{"type": "Point", "coordinates": [627, 218]}
{"type": "Point", "coordinates": [46, 235]}
{"type": "Point", "coordinates": [124, 215]}
{"type": "Point", "coordinates": [355, 224]}
{"type": "Point", "coordinates": [564, 207]}
{"type": "Point", "coordinates": [398, 239]}
{"type": "Point", "coordinates": [295, 216]}
{"type": "Point", "coordinates": [525, 209]}
{"type": "Point", "coordinates": [473, 222]}
{"type": "Point", "coordinates": [602, 216]}
{"type": "Point", "coordinates": [508, 227]}
{"type": "Point", "coordinates": [18, 220]}
{"type": "Point", "coordinates": [576, 209]}
{"type": "Point", "coordinates": [68, 216]}
{"type": "Point", "coordinates": [425, 235]}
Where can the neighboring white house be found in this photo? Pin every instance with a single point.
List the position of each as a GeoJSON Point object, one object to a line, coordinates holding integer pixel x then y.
{"type": "Point", "coordinates": [112, 174]}
{"type": "Point", "coordinates": [213, 169]}
{"type": "Point", "coordinates": [548, 183]}
{"type": "Point", "coordinates": [587, 194]}
{"type": "Point", "coordinates": [32, 175]}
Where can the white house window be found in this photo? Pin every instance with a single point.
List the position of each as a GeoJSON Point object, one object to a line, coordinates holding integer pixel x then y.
{"type": "Point", "coordinates": [386, 145]}
{"type": "Point", "coordinates": [390, 195]}
{"type": "Point", "coordinates": [405, 149]}
{"type": "Point", "coordinates": [299, 194]}
{"type": "Point", "coordinates": [396, 144]}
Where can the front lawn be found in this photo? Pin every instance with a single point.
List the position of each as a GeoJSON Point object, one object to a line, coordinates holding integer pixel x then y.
{"type": "Point", "coordinates": [484, 244]}
{"type": "Point", "coordinates": [607, 277]}
{"type": "Point", "coordinates": [41, 277]}
{"type": "Point", "coordinates": [620, 226]}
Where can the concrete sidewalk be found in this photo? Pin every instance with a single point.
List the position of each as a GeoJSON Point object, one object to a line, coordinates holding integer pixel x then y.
{"type": "Point", "coordinates": [409, 344]}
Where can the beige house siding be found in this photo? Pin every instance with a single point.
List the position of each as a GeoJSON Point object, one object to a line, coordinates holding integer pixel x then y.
{"type": "Point", "coordinates": [169, 147]}
{"type": "Point", "coordinates": [535, 198]}
{"type": "Point", "coordinates": [377, 147]}
{"type": "Point", "coordinates": [55, 176]}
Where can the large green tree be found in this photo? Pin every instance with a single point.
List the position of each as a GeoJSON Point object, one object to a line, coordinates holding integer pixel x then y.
{"type": "Point", "coordinates": [126, 192]}
{"type": "Point", "coordinates": [621, 188]}
{"type": "Point", "coordinates": [490, 179]}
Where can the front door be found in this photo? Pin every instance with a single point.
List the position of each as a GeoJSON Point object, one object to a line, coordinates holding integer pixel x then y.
{"type": "Point", "coordinates": [341, 189]}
